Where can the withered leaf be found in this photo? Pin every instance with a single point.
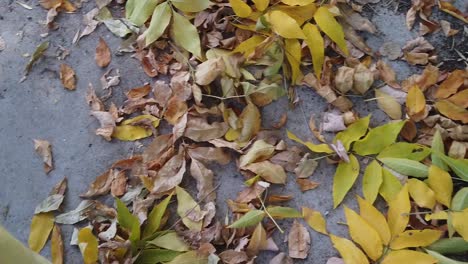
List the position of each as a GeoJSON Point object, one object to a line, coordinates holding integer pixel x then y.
{"type": "Point", "coordinates": [250, 120]}
{"type": "Point", "coordinates": [107, 122]}
{"type": "Point", "coordinates": [103, 54]}
{"type": "Point", "coordinates": [198, 129]}
{"type": "Point", "coordinates": [119, 184]}
{"type": "Point", "coordinates": [306, 167]}
{"type": "Point", "coordinates": [209, 154]}
{"type": "Point", "coordinates": [231, 256]}
{"type": "Point", "coordinates": [258, 241]}
{"type": "Point", "coordinates": [298, 241]}
{"type": "Point", "coordinates": [451, 84]}
{"type": "Point", "coordinates": [204, 178]}
{"type": "Point", "coordinates": [306, 184]}
{"type": "Point", "coordinates": [170, 175]}
{"type": "Point", "coordinates": [387, 74]}
{"type": "Point", "coordinates": [38, 53]}
{"type": "Point", "coordinates": [44, 149]}
{"type": "Point", "coordinates": [268, 171]}
{"type": "Point", "coordinates": [56, 246]}
{"type": "Point", "coordinates": [176, 108]}
{"type": "Point", "coordinates": [76, 215]}
{"type": "Point", "coordinates": [209, 70]}
{"type": "Point", "coordinates": [67, 76]}
{"type": "Point", "coordinates": [138, 92]}
{"type": "Point", "coordinates": [51, 203]}
{"type": "Point", "coordinates": [93, 100]}
{"type": "Point", "coordinates": [281, 258]}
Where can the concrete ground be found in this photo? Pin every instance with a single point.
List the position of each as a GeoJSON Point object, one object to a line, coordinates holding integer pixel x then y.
{"type": "Point", "coordinates": [40, 108]}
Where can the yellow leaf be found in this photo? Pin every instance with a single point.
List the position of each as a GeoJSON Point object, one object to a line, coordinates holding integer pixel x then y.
{"type": "Point", "coordinates": [293, 54]}
{"type": "Point", "coordinates": [421, 193]}
{"type": "Point", "coordinates": [348, 251]}
{"type": "Point", "coordinates": [460, 224]}
{"type": "Point", "coordinates": [320, 148]}
{"type": "Point", "coordinates": [240, 8]}
{"type": "Point", "coordinates": [441, 183]}
{"type": "Point", "coordinates": [261, 5]}
{"type": "Point", "coordinates": [390, 185]}
{"type": "Point", "coordinates": [185, 34]}
{"type": "Point", "coordinates": [13, 251]}
{"type": "Point", "coordinates": [328, 24]}
{"type": "Point", "coordinates": [249, 45]}
{"type": "Point", "coordinates": [408, 257]}
{"type": "Point", "coordinates": [364, 234]}
{"type": "Point", "coordinates": [452, 111]}
{"type": "Point", "coordinates": [41, 226]}
{"type": "Point", "coordinates": [354, 132]}
{"type": "Point", "coordinates": [131, 133]}
{"type": "Point", "coordinates": [191, 6]}
{"type": "Point", "coordinates": [415, 238]}
{"type": "Point", "coordinates": [88, 245]}
{"type": "Point", "coordinates": [375, 219]}
{"type": "Point", "coordinates": [388, 104]}
{"type": "Point", "coordinates": [185, 206]}
{"type": "Point", "coordinates": [371, 181]}
{"type": "Point", "coordinates": [298, 2]}
{"type": "Point", "coordinates": [258, 241]}
{"type": "Point", "coordinates": [284, 25]}
{"type": "Point", "coordinates": [56, 246]}
{"type": "Point", "coordinates": [441, 215]}
{"type": "Point", "coordinates": [315, 220]}
{"type": "Point", "coordinates": [398, 212]}
{"type": "Point", "coordinates": [345, 176]}
{"type": "Point", "coordinates": [316, 46]}
{"type": "Point", "coordinates": [415, 101]}
{"type": "Point", "coordinates": [378, 138]}
{"type": "Point", "coordinates": [300, 13]}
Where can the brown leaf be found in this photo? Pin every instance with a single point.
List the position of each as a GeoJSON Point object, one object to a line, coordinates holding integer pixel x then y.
{"type": "Point", "coordinates": [306, 167]}
{"type": "Point", "coordinates": [258, 241]}
{"type": "Point", "coordinates": [176, 108]}
{"type": "Point", "coordinates": [306, 184]}
{"type": "Point", "coordinates": [100, 186]}
{"type": "Point", "coordinates": [233, 257]}
{"type": "Point", "coordinates": [170, 175]}
{"type": "Point", "coordinates": [209, 70]}
{"type": "Point", "coordinates": [298, 241]}
{"type": "Point", "coordinates": [387, 74]}
{"type": "Point", "coordinates": [107, 122]}
{"type": "Point", "coordinates": [409, 130]}
{"type": "Point", "coordinates": [415, 58]}
{"type": "Point", "coordinates": [251, 193]}
{"type": "Point", "coordinates": [363, 79]}
{"type": "Point", "coordinates": [209, 154]}
{"type": "Point", "coordinates": [460, 99]}
{"type": "Point", "coordinates": [93, 100]}
{"type": "Point", "coordinates": [447, 28]}
{"type": "Point", "coordinates": [44, 149]}
{"type": "Point", "coordinates": [67, 76]}
{"type": "Point", "coordinates": [138, 92]}
{"type": "Point", "coordinates": [119, 184]}
{"type": "Point", "coordinates": [452, 111]}
{"type": "Point", "coordinates": [281, 258]}
{"type": "Point", "coordinates": [344, 79]}
{"type": "Point", "coordinates": [411, 17]}
{"type": "Point", "coordinates": [103, 54]}
{"type": "Point", "coordinates": [162, 92]}
{"type": "Point", "coordinates": [451, 85]}
{"type": "Point", "coordinates": [251, 121]}
{"type": "Point", "coordinates": [450, 9]}
{"type": "Point", "coordinates": [56, 245]}
{"type": "Point", "coordinates": [268, 171]}
{"type": "Point", "coordinates": [199, 130]}
{"type": "Point", "coordinates": [204, 178]}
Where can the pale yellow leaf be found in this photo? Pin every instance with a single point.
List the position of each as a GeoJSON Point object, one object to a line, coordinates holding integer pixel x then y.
{"type": "Point", "coordinates": [348, 251]}
{"type": "Point", "coordinates": [315, 220]}
{"type": "Point", "coordinates": [88, 245]}
{"type": "Point", "coordinates": [188, 210]}
{"type": "Point", "coordinates": [248, 46]}
{"type": "Point", "coordinates": [388, 104]}
{"type": "Point", "coordinates": [328, 24]}
{"type": "Point", "coordinates": [364, 234]}
{"type": "Point", "coordinates": [408, 257]}
{"type": "Point", "coordinates": [441, 183]}
{"type": "Point", "coordinates": [241, 9]}
{"type": "Point", "coordinates": [284, 25]}
{"type": "Point", "coordinates": [261, 5]}
{"type": "Point", "coordinates": [415, 101]}
{"type": "Point", "coordinates": [41, 226]}
{"type": "Point", "coordinates": [398, 212]}
{"type": "Point", "coordinates": [320, 148]}
{"type": "Point", "coordinates": [390, 185]}
{"type": "Point", "coordinates": [460, 223]}
{"type": "Point", "coordinates": [316, 46]}
{"type": "Point", "coordinates": [293, 54]}
{"type": "Point", "coordinates": [415, 238]}
{"type": "Point", "coordinates": [345, 176]}
{"type": "Point", "coordinates": [56, 246]}
{"type": "Point", "coordinates": [371, 181]}
{"type": "Point", "coordinates": [258, 241]}
{"type": "Point", "coordinates": [185, 34]}
{"type": "Point", "coordinates": [298, 2]}
{"type": "Point", "coordinates": [375, 219]}
{"type": "Point", "coordinates": [421, 193]}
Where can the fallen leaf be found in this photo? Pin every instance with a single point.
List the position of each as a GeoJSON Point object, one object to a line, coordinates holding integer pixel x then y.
{"type": "Point", "coordinates": [103, 54]}
{"type": "Point", "coordinates": [170, 241]}
{"type": "Point", "coordinates": [316, 46]}
{"type": "Point", "coordinates": [185, 34]}
{"type": "Point", "coordinates": [44, 149]}
{"type": "Point", "coordinates": [422, 195]}
{"type": "Point", "coordinates": [315, 220]}
{"type": "Point", "coordinates": [388, 104]}
{"type": "Point", "coordinates": [170, 175]}
{"type": "Point", "coordinates": [441, 183]}
{"type": "Point", "coordinates": [328, 24]}
{"type": "Point", "coordinates": [209, 70]}
{"type": "Point", "coordinates": [153, 223]}
{"type": "Point", "coordinates": [375, 219]}
{"type": "Point", "coordinates": [406, 167]}
{"type": "Point", "coordinates": [390, 186]}
{"type": "Point", "coordinates": [281, 258]}
{"type": "Point", "coordinates": [128, 221]}
{"type": "Point", "coordinates": [345, 176]}
{"type": "Point", "coordinates": [56, 246]}
{"type": "Point", "coordinates": [284, 25]}
{"type": "Point", "coordinates": [231, 256]}
{"type": "Point", "coordinates": [391, 50]}
{"type": "Point", "coordinates": [378, 138]}
{"type": "Point", "coordinates": [241, 9]}
{"type": "Point", "coordinates": [387, 74]}
{"type": "Point", "coordinates": [251, 218]}
{"type": "Point", "coordinates": [160, 20]}
{"type": "Point", "coordinates": [260, 150]}
{"type": "Point", "coordinates": [348, 251]}
{"type": "Point", "coordinates": [258, 241]}
{"type": "Point", "coordinates": [344, 79]}
{"type": "Point", "coordinates": [363, 78]}
{"type": "Point", "coordinates": [67, 76]}
{"type": "Point", "coordinates": [204, 178]}
{"type": "Point", "coordinates": [452, 111]}
{"type": "Point", "coordinates": [186, 207]}
{"type": "Point", "coordinates": [41, 226]}
{"type": "Point", "coordinates": [76, 215]}
{"type": "Point", "coordinates": [306, 184]}
{"type": "Point", "coordinates": [298, 241]}
{"type": "Point", "coordinates": [372, 180]}
{"type": "Point", "coordinates": [398, 212]}
{"type": "Point", "coordinates": [268, 171]}
{"type": "Point", "coordinates": [450, 9]}
{"type": "Point", "coordinates": [88, 245]}
{"type": "Point", "coordinates": [306, 167]}
{"type": "Point", "coordinates": [409, 257]}
{"type": "Point", "coordinates": [198, 129]}
{"type": "Point", "coordinates": [415, 238]}
{"type": "Point", "coordinates": [450, 85]}
{"type": "Point", "coordinates": [38, 53]}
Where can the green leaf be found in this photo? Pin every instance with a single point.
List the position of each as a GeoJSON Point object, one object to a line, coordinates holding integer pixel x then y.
{"type": "Point", "coordinates": [36, 55]}
{"type": "Point", "coordinates": [191, 6]}
{"type": "Point", "coordinates": [138, 11]}
{"type": "Point", "coordinates": [354, 132]}
{"type": "Point", "coordinates": [460, 200]}
{"type": "Point", "coordinates": [345, 176]}
{"type": "Point", "coordinates": [454, 245]}
{"type": "Point", "coordinates": [127, 220]}
{"type": "Point", "coordinates": [185, 34]}
{"type": "Point", "coordinates": [378, 139]}
{"type": "Point", "coordinates": [283, 212]}
{"type": "Point", "coordinates": [405, 150]}
{"type": "Point", "coordinates": [13, 251]}
{"type": "Point", "coordinates": [159, 22]}
{"type": "Point", "coordinates": [151, 256]}
{"type": "Point", "coordinates": [185, 206]}
{"type": "Point", "coordinates": [459, 166]}
{"type": "Point", "coordinates": [438, 147]}
{"type": "Point", "coordinates": [316, 46]}
{"type": "Point", "coordinates": [154, 218]}
{"type": "Point", "coordinates": [328, 24]}
{"type": "Point", "coordinates": [251, 218]}
{"type": "Point", "coordinates": [372, 181]}
{"type": "Point", "coordinates": [390, 187]}
{"type": "Point", "coordinates": [407, 167]}
{"type": "Point", "coordinates": [190, 257]}
{"type": "Point", "coordinates": [170, 241]}
{"type": "Point", "coordinates": [443, 259]}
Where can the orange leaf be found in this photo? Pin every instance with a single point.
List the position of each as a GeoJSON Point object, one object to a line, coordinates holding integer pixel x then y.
{"type": "Point", "coordinates": [451, 84]}
{"type": "Point", "coordinates": [415, 101]}
{"type": "Point", "coordinates": [452, 111]}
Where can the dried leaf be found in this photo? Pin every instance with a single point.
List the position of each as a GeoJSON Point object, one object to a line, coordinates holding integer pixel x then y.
{"type": "Point", "coordinates": [281, 258]}
{"type": "Point", "coordinates": [388, 104]}
{"type": "Point", "coordinates": [315, 220]}
{"type": "Point", "coordinates": [204, 178]}
{"type": "Point", "coordinates": [450, 9]}
{"type": "Point", "coordinates": [170, 175]}
{"type": "Point", "coordinates": [345, 176]}
{"type": "Point", "coordinates": [209, 70]}
{"type": "Point", "coordinates": [363, 78]}
{"type": "Point", "coordinates": [41, 226]}
{"type": "Point", "coordinates": [44, 149]}
{"type": "Point", "coordinates": [198, 129]}
{"type": "Point", "coordinates": [320, 148]}
{"type": "Point", "coordinates": [450, 85]}
{"type": "Point", "coordinates": [260, 150]}
{"type": "Point", "coordinates": [51, 203]}
{"type": "Point", "coordinates": [293, 54]}
{"type": "Point", "coordinates": [76, 215]}
{"type": "Point", "coordinates": [452, 111]}
{"type": "Point", "coordinates": [186, 207]}
{"type": "Point", "coordinates": [250, 120]}
{"type": "Point", "coordinates": [298, 241]}
{"type": "Point", "coordinates": [306, 184]}
{"type": "Point", "coordinates": [348, 251]}
{"type": "Point", "coordinates": [67, 76]}
{"type": "Point", "coordinates": [306, 167]}
{"type": "Point", "coordinates": [103, 54]}
{"type": "Point", "coordinates": [354, 132]}
{"type": "Point", "coordinates": [258, 241]}
{"type": "Point", "coordinates": [268, 171]}
{"type": "Point", "coordinates": [38, 53]}
{"type": "Point", "coordinates": [56, 246]}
